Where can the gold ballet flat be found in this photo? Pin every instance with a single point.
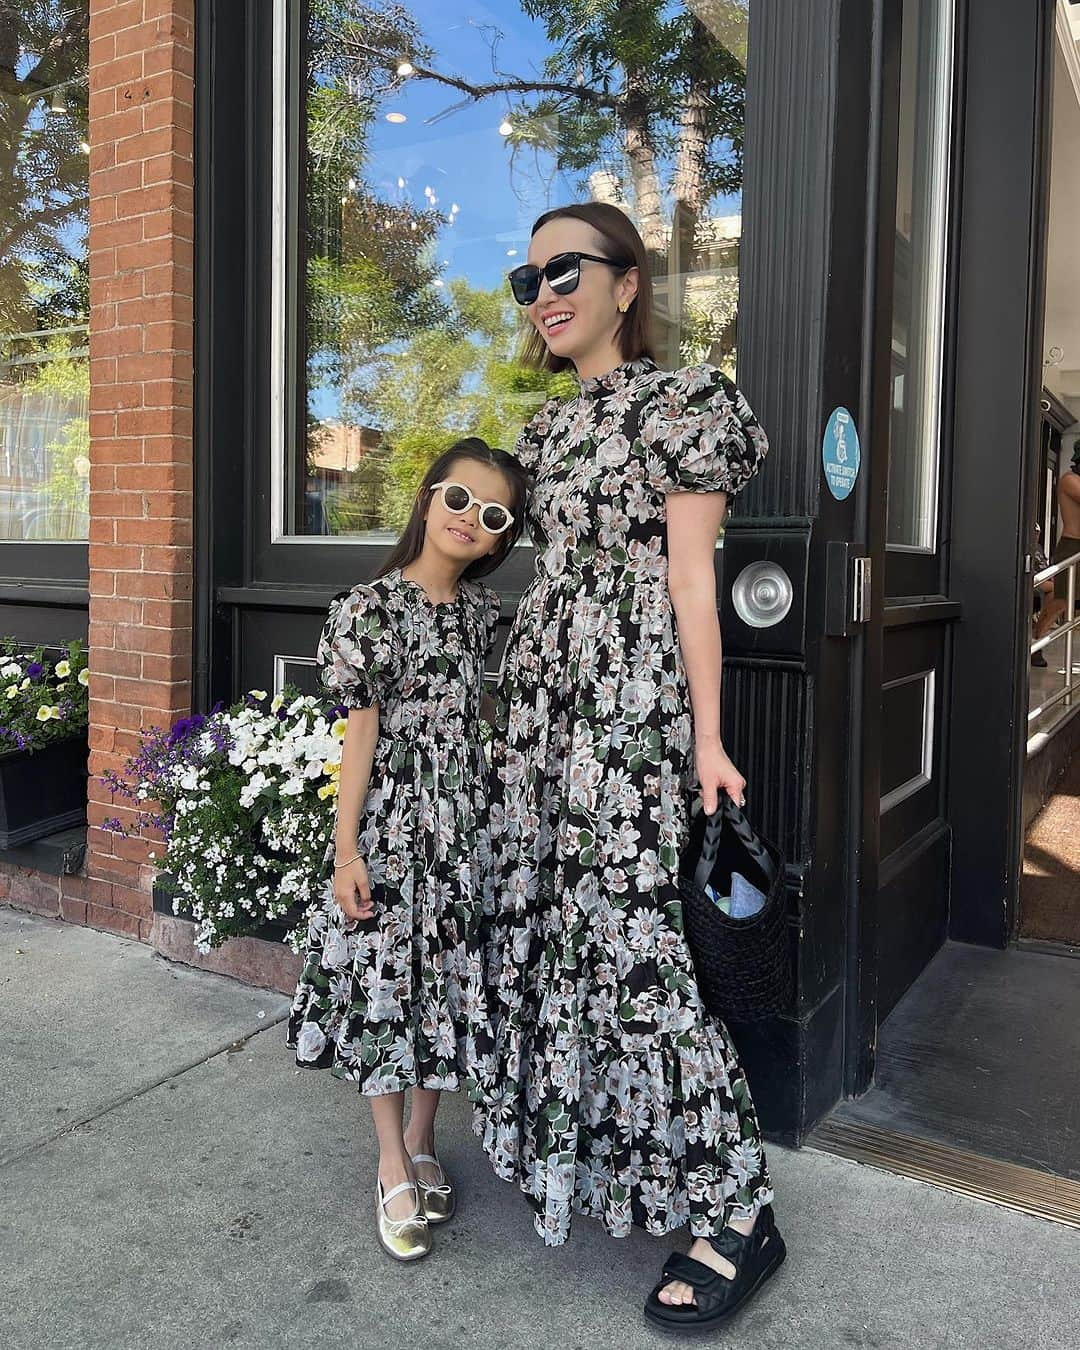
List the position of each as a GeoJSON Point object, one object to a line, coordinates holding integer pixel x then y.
{"type": "Point", "coordinates": [403, 1239]}
{"type": "Point", "coordinates": [438, 1198]}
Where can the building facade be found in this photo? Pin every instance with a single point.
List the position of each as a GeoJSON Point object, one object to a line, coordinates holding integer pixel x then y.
{"type": "Point", "coordinates": [288, 308]}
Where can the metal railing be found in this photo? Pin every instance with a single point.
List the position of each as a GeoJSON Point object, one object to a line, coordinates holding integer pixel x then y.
{"type": "Point", "coordinates": [1063, 702]}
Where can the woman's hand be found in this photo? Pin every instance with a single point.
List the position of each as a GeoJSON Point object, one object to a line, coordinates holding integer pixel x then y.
{"type": "Point", "coordinates": [352, 890]}
{"type": "Point", "coordinates": [716, 773]}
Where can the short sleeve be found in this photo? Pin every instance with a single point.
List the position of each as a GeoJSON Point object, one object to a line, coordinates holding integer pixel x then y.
{"type": "Point", "coordinates": [700, 434]}
{"type": "Point", "coordinates": [533, 436]}
{"type": "Point", "coordinates": [359, 651]}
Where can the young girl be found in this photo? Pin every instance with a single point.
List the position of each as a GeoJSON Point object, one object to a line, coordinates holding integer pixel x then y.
{"type": "Point", "coordinates": [391, 995]}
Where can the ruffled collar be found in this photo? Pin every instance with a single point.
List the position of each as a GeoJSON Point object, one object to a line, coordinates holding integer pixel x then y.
{"type": "Point", "coordinates": [622, 374]}
{"type": "Point", "coordinates": [421, 593]}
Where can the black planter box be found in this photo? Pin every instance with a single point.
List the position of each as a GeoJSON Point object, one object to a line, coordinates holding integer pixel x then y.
{"type": "Point", "coordinates": [43, 792]}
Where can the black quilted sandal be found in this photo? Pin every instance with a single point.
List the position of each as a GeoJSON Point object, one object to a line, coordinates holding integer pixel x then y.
{"type": "Point", "coordinates": [716, 1298]}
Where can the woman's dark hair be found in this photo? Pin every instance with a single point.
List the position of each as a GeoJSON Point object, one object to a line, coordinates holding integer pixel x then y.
{"type": "Point", "coordinates": [622, 244]}
{"type": "Point", "coordinates": [409, 547]}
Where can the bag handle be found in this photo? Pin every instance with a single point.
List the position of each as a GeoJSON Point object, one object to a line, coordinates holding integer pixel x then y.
{"type": "Point", "coordinates": [733, 815]}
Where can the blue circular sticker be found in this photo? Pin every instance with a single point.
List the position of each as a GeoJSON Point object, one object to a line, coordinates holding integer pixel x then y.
{"type": "Point", "coordinates": [840, 453]}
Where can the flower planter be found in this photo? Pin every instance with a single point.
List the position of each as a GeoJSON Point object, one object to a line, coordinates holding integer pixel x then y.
{"type": "Point", "coordinates": [43, 792]}
{"type": "Point", "coordinates": [274, 930]}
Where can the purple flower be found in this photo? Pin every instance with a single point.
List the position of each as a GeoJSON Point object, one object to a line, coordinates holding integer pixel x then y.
{"type": "Point", "coordinates": [35, 670]}
{"type": "Point", "coordinates": [112, 824]}
{"type": "Point", "coordinates": [181, 730]}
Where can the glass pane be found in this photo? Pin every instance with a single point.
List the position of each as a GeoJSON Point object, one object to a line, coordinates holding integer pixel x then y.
{"type": "Point", "coordinates": [44, 384]}
{"type": "Point", "coordinates": [434, 135]}
{"type": "Point", "coordinates": [919, 281]}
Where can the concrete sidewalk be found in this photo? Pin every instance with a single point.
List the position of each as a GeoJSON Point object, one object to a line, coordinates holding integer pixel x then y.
{"type": "Point", "coordinates": [170, 1179]}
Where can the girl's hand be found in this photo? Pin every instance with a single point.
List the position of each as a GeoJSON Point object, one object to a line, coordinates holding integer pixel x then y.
{"type": "Point", "coordinates": [352, 890]}
{"type": "Point", "coordinates": [717, 774]}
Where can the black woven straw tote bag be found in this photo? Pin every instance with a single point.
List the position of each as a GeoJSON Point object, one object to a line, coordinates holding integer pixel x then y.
{"type": "Point", "coordinates": [743, 965]}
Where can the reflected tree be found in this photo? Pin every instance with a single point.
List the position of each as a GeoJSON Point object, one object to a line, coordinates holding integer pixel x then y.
{"type": "Point", "coordinates": [43, 164]}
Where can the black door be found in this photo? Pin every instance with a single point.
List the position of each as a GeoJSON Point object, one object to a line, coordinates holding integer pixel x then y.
{"type": "Point", "coordinates": [905, 872]}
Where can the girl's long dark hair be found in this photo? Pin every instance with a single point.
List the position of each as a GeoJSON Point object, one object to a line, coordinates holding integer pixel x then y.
{"type": "Point", "coordinates": [621, 243]}
{"type": "Point", "coordinates": [409, 547]}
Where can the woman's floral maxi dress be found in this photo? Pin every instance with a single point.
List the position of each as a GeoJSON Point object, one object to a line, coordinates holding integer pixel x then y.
{"type": "Point", "coordinates": [617, 1095]}
{"type": "Point", "coordinates": [396, 1000]}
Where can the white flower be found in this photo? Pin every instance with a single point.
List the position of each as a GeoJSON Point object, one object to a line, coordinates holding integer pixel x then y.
{"type": "Point", "coordinates": [63, 669]}
{"type": "Point", "coordinates": [310, 1041]}
{"type": "Point", "coordinates": [10, 670]}
{"type": "Point", "coordinates": [84, 677]}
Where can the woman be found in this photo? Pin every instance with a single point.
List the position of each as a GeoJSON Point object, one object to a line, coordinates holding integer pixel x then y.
{"type": "Point", "coordinates": [618, 1096]}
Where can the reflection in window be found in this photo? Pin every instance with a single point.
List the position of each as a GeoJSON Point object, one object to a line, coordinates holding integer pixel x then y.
{"type": "Point", "coordinates": [919, 280]}
{"type": "Point", "coordinates": [433, 136]}
{"type": "Point", "coordinates": [44, 431]}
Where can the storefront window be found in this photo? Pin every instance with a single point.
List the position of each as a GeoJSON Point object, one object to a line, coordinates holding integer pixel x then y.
{"type": "Point", "coordinates": [44, 385]}
{"type": "Point", "coordinates": [431, 137]}
{"type": "Point", "coordinates": [919, 282]}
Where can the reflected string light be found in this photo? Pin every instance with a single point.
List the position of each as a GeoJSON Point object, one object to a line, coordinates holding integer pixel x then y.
{"type": "Point", "coordinates": [511, 252]}
{"type": "Point", "coordinates": [396, 117]}
{"type": "Point", "coordinates": [401, 182]}
{"type": "Point", "coordinates": [84, 146]}
{"type": "Point", "coordinates": [352, 184]}
{"type": "Point", "coordinates": [405, 69]}
{"type": "Point", "coordinates": [506, 127]}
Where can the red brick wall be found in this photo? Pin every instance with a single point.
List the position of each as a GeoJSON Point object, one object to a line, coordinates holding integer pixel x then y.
{"type": "Point", "coordinates": [141, 342]}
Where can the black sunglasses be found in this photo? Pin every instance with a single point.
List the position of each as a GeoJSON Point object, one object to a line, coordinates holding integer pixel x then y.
{"type": "Point", "coordinates": [563, 272]}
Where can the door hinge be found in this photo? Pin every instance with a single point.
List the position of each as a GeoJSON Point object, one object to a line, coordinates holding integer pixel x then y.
{"type": "Point", "coordinates": [860, 591]}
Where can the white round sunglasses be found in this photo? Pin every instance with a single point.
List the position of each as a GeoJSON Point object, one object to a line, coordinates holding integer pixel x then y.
{"type": "Point", "coordinates": [457, 499]}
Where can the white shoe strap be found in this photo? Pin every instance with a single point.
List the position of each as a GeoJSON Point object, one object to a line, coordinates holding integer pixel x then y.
{"type": "Point", "coordinates": [403, 1186]}
{"type": "Point", "coordinates": [440, 1187]}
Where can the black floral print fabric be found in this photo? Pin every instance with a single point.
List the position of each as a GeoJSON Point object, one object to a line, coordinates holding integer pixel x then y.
{"type": "Point", "coordinates": [615, 1094]}
{"type": "Point", "coordinates": [398, 1000]}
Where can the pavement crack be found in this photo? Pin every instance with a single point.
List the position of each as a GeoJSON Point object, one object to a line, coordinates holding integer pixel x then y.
{"type": "Point", "coordinates": [229, 1047]}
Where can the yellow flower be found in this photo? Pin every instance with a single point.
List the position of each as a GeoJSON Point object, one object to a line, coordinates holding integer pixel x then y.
{"type": "Point", "coordinates": [13, 691]}
{"type": "Point", "coordinates": [339, 728]}
{"type": "Point", "coordinates": [259, 694]}
{"type": "Point", "coordinates": [278, 701]}
{"type": "Point", "coordinates": [328, 791]}
{"type": "Point", "coordinates": [84, 676]}
{"type": "Point", "coordinates": [63, 669]}
{"type": "Point", "coordinates": [331, 768]}
{"type": "Point", "coordinates": [46, 713]}
{"type": "Point", "coordinates": [25, 684]}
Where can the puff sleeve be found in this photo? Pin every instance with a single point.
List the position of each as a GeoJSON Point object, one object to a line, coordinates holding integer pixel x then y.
{"type": "Point", "coordinates": [359, 653]}
{"type": "Point", "coordinates": [535, 433]}
{"type": "Point", "coordinates": [700, 434]}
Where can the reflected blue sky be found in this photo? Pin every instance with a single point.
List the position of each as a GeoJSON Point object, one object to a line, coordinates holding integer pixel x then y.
{"type": "Point", "coordinates": [461, 156]}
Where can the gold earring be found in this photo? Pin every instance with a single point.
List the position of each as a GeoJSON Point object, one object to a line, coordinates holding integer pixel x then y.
{"type": "Point", "coordinates": [624, 305]}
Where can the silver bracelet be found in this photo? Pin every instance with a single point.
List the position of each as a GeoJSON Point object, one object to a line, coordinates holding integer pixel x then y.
{"type": "Point", "coordinates": [339, 866]}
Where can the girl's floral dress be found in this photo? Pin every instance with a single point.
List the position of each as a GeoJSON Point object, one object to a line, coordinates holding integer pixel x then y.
{"type": "Point", "coordinates": [616, 1094]}
{"type": "Point", "coordinates": [397, 1000]}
